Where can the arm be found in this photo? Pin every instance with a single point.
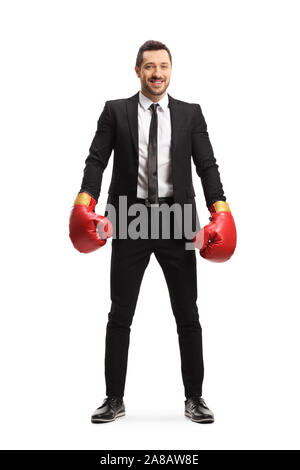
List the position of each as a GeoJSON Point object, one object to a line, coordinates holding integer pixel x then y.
{"type": "Point", "coordinates": [99, 153]}
{"type": "Point", "coordinates": [88, 231]}
{"type": "Point", "coordinates": [217, 240]}
{"type": "Point", "coordinates": [205, 162]}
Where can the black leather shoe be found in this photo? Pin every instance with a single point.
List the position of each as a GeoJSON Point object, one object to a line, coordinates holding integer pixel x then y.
{"type": "Point", "coordinates": [111, 408]}
{"type": "Point", "coordinates": [197, 410]}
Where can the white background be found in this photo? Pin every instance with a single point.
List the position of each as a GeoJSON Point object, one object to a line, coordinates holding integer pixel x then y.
{"type": "Point", "coordinates": [61, 60]}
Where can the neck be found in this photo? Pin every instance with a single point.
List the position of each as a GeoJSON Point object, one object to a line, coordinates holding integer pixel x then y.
{"type": "Point", "coordinates": [153, 98]}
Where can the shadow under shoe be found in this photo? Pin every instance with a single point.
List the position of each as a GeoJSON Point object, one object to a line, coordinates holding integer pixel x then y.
{"type": "Point", "coordinates": [111, 408]}
{"type": "Point", "coordinates": [197, 410]}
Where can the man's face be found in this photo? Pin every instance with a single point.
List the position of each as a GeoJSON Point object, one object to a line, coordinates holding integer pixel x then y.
{"type": "Point", "coordinates": [155, 73]}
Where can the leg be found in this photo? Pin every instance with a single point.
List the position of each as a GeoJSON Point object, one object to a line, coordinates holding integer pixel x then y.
{"type": "Point", "coordinates": [129, 260]}
{"type": "Point", "coordinates": [179, 267]}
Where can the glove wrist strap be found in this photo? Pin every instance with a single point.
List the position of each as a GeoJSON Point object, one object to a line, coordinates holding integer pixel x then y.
{"type": "Point", "coordinates": [219, 206]}
{"type": "Point", "coordinates": [86, 200]}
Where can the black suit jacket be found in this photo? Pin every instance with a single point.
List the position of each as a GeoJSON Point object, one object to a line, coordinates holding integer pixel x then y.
{"type": "Point", "coordinates": [117, 130]}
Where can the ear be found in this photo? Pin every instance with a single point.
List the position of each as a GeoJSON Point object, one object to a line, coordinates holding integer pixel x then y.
{"type": "Point", "coordinates": [137, 70]}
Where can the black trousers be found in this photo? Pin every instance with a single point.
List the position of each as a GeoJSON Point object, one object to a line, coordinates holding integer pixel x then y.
{"type": "Point", "coordinates": [129, 259]}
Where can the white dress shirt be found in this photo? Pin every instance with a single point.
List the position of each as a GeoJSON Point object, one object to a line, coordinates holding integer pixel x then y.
{"type": "Point", "coordinates": [164, 170]}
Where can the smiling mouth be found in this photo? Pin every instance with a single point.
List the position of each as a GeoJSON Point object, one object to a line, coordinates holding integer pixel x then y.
{"type": "Point", "coordinates": [156, 82]}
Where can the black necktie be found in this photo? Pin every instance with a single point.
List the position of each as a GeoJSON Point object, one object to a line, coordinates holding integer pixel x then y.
{"type": "Point", "coordinates": [152, 158]}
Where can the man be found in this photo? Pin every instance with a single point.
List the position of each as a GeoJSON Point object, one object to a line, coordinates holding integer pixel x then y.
{"type": "Point", "coordinates": [153, 136]}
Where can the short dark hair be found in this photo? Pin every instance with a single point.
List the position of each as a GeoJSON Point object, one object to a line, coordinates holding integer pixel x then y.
{"type": "Point", "coordinates": [150, 46]}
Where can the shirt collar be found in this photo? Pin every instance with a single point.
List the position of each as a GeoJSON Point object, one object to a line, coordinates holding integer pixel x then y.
{"type": "Point", "coordinates": [146, 102]}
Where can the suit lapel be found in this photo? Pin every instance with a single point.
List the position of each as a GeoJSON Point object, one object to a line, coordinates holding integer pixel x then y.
{"type": "Point", "coordinates": [132, 114]}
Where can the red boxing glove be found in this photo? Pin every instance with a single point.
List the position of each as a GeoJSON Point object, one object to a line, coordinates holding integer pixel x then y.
{"type": "Point", "coordinates": [88, 231]}
{"type": "Point", "coordinates": [217, 240]}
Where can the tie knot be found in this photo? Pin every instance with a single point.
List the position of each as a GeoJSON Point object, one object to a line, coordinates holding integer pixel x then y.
{"type": "Point", "coordinates": [154, 106]}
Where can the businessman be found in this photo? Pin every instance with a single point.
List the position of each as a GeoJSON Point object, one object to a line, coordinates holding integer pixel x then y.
{"type": "Point", "coordinates": [154, 137]}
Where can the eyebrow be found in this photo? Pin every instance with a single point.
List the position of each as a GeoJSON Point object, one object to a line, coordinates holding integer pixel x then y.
{"type": "Point", "coordinates": [147, 63]}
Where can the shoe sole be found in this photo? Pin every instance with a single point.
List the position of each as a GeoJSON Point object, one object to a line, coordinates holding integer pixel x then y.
{"type": "Point", "coordinates": [203, 420]}
{"type": "Point", "coordinates": [101, 420]}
